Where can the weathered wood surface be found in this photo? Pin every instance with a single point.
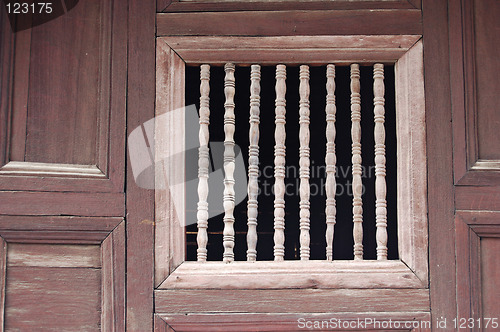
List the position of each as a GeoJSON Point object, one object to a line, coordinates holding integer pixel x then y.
{"type": "Point", "coordinates": [113, 291]}
{"type": "Point", "coordinates": [53, 255]}
{"type": "Point", "coordinates": [281, 322]}
{"type": "Point", "coordinates": [57, 298]}
{"type": "Point", "coordinates": [58, 223]}
{"type": "Point", "coordinates": [222, 5]}
{"type": "Point", "coordinates": [439, 159]}
{"type": "Point", "coordinates": [380, 170]}
{"type": "Point", "coordinates": [229, 163]}
{"type": "Point", "coordinates": [292, 301]}
{"type": "Point", "coordinates": [62, 203]}
{"type": "Point", "coordinates": [169, 146]}
{"type": "Point", "coordinates": [411, 155]}
{"type": "Point", "coordinates": [291, 23]}
{"type": "Point", "coordinates": [292, 275]}
{"type": "Point", "coordinates": [3, 280]}
{"type": "Point", "coordinates": [330, 161]}
{"type": "Point", "coordinates": [203, 164]}
{"type": "Point", "coordinates": [304, 162]}
{"type": "Point", "coordinates": [357, 185]}
{"type": "Point", "coordinates": [279, 164]}
{"type": "Point", "coordinates": [253, 163]}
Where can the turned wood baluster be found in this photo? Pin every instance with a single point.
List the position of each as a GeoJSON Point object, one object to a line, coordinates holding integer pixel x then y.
{"type": "Point", "coordinates": [330, 160]}
{"type": "Point", "coordinates": [229, 163]}
{"type": "Point", "coordinates": [279, 165]}
{"type": "Point", "coordinates": [304, 162]}
{"type": "Point", "coordinates": [203, 164]}
{"type": "Point", "coordinates": [253, 162]}
{"type": "Point", "coordinates": [357, 186]}
{"type": "Point", "coordinates": [380, 185]}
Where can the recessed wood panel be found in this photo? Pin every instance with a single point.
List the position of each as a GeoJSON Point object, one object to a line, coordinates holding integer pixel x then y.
{"type": "Point", "coordinates": [63, 88]}
{"type": "Point", "coordinates": [490, 277]}
{"type": "Point", "coordinates": [55, 298]}
{"type": "Point", "coordinates": [487, 67]}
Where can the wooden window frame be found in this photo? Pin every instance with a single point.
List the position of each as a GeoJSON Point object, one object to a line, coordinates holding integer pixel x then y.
{"type": "Point", "coordinates": [405, 51]}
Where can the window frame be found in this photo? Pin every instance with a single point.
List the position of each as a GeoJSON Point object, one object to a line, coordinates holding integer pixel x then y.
{"type": "Point", "coordinates": [409, 272]}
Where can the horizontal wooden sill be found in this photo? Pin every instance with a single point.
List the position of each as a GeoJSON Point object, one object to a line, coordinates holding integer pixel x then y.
{"type": "Point", "coordinates": [292, 275]}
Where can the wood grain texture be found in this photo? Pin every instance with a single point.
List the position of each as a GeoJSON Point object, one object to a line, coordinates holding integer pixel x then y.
{"type": "Point", "coordinates": [330, 161]}
{"type": "Point", "coordinates": [3, 280]}
{"type": "Point", "coordinates": [253, 163]}
{"type": "Point", "coordinates": [411, 161]}
{"type": "Point", "coordinates": [304, 162]}
{"type": "Point", "coordinates": [291, 23]}
{"type": "Point", "coordinates": [53, 255]}
{"type": "Point", "coordinates": [490, 276]}
{"type": "Point", "coordinates": [160, 325]}
{"type": "Point", "coordinates": [140, 202]}
{"type": "Point", "coordinates": [279, 164]}
{"type": "Point", "coordinates": [292, 275]}
{"type": "Point", "coordinates": [292, 301]}
{"type": "Point", "coordinates": [477, 198]}
{"type": "Point", "coordinates": [58, 223]}
{"type": "Point", "coordinates": [357, 186]}
{"type": "Point", "coordinates": [113, 280]}
{"type": "Point", "coordinates": [229, 163]}
{"type": "Point", "coordinates": [221, 5]}
{"type": "Point", "coordinates": [57, 298]}
{"type": "Point", "coordinates": [281, 322]}
{"type": "Point", "coordinates": [169, 159]}
{"type": "Point", "coordinates": [62, 203]}
{"type": "Point", "coordinates": [439, 160]}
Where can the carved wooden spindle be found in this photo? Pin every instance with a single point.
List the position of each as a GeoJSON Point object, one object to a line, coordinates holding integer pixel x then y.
{"type": "Point", "coordinates": [304, 162]}
{"type": "Point", "coordinates": [253, 162]}
{"type": "Point", "coordinates": [279, 164]}
{"type": "Point", "coordinates": [229, 163]}
{"type": "Point", "coordinates": [357, 186]}
{"type": "Point", "coordinates": [330, 160]}
{"type": "Point", "coordinates": [203, 164]}
{"type": "Point", "coordinates": [380, 185]}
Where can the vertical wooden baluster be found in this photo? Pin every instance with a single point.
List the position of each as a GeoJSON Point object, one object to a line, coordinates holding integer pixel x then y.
{"type": "Point", "coordinates": [229, 163]}
{"type": "Point", "coordinates": [330, 160]}
{"type": "Point", "coordinates": [253, 162]}
{"type": "Point", "coordinates": [304, 162]}
{"type": "Point", "coordinates": [380, 186]}
{"type": "Point", "coordinates": [279, 165]}
{"type": "Point", "coordinates": [357, 185]}
{"type": "Point", "coordinates": [203, 164]}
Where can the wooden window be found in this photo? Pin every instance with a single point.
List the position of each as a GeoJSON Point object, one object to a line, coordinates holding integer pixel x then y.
{"type": "Point", "coordinates": [405, 52]}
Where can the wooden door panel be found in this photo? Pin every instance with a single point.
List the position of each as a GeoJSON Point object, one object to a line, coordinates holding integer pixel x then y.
{"type": "Point", "coordinates": [64, 273]}
{"type": "Point", "coordinates": [474, 43]}
{"type": "Point", "coordinates": [64, 122]}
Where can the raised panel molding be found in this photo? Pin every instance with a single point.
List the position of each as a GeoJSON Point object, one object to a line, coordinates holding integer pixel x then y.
{"type": "Point", "coordinates": [471, 229]}
{"type": "Point", "coordinates": [79, 235]}
{"type": "Point", "coordinates": [92, 146]}
{"type": "Point", "coordinates": [470, 168]}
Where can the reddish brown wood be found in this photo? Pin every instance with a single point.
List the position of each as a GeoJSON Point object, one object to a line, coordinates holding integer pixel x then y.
{"type": "Point", "coordinates": [57, 223]}
{"type": "Point", "coordinates": [477, 198]}
{"type": "Point", "coordinates": [216, 6]}
{"type": "Point", "coordinates": [161, 5]}
{"type": "Point", "coordinates": [291, 23]}
{"type": "Point", "coordinates": [279, 322]}
{"type": "Point", "coordinates": [86, 124]}
{"type": "Point", "coordinates": [3, 279]}
{"type": "Point", "coordinates": [292, 301]}
{"type": "Point", "coordinates": [490, 277]}
{"type": "Point", "coordinates": [62, 203]}
{"type": "Point", "coordinates": [57, 298]}
{"type": "Point", "coordinates": [50, 255]}
{"type": "Point", "coordinates": [6, 71]}
{"type": "Point", "coordinates": [439, 160]}
{"type": "Point", "coordinates": [113, 280]}
{"type": "Point", "coordinates": [140, 202]}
